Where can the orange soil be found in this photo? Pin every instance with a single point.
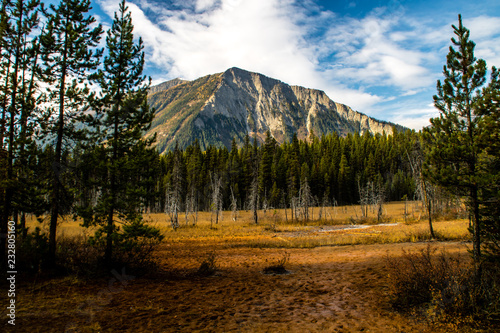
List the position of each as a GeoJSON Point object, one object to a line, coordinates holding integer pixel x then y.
{"type": "Point", "coordinates": [329, 289]}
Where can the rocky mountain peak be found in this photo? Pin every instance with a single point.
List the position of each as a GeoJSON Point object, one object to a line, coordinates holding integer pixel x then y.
{"type": "Point", "coordinates": [218, 108]}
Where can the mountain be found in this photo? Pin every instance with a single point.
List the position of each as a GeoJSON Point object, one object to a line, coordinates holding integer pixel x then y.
{"type": "Point", "coordinates": [217, 108]}
{"type": "Point", "coordinates": [166, 85]}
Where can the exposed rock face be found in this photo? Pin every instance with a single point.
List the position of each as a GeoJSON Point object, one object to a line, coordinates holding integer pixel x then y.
{"type": "Point", "coordinates": [217, 108]}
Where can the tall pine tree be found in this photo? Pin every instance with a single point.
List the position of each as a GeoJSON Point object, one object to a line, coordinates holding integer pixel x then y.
{"type": "Point", "coordinates": [68, 52]}
{"type": "Point", "coordinates": [124, 116]}
{"type": "Point", "coordinates": [489, 141]}
{"type": "Point", "coordinates": [18, 51]}
{"type": "Point", "coordinates": [452, 150]}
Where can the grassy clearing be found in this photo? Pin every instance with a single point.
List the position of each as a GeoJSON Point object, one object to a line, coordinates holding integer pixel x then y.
{"type": "Point", "coordinates": [226, 269]}
{"type": "Point", "coordinates": [276, 229]}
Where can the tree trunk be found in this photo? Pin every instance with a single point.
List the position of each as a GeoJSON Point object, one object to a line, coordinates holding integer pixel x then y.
{"type": "Point", "coordinates": [56, 170]}
{"type": "Point", "coordinates": [429, 207]}
{"type": "Point", "coordinates": [477, 231]}
{"type": "Point", "coordinates": [108, 254]}
{"type": "Point", "coordinates": [9, 191]}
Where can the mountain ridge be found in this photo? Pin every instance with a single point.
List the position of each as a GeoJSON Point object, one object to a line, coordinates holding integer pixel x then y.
{"type": "Point", "coordinates": [216, 108]}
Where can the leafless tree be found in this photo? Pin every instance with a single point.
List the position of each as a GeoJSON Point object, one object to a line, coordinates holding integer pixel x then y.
{"type": "Point", "coordinates": [372, 195]}
{"type": "Point", "coordinates": [234, 206]}
{"type": "Point", "coordinates": [191, 206]}
{"type": "Point", "coordinates": [424, 190]}
{"type": "Point", "coordinates": [323, 207]}
{"type": "Point", "coordinates": [253, 203]}
{"type": "Point", "coordinates": [174, 192]}
{"type": "Point", "coordinates": [172, 207]}
{"type": "Point", "coordinates": [216, 205]}
{"type": "Point", "coordinates": [306, 199]}
{"type": "Point", "coordinates": [364, 197]}
{"type": "Point", "coordinates": [265, 204]}
{"type": "Point", "coordinates": [379, 199]}
{"type": "Point", "coordinates": [294, 205]}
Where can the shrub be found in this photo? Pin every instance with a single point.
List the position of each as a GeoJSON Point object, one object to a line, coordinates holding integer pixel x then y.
{"type": "Point", "coordinates": [133, 244]}
{"type": "Point", "coordinates": [208, 265]}
{"type": "Point", "coordinates": [136, 243]}
{"type": "Point", "coordinates": [416, 275]}
{"type": "Point", "coordinates": [79, 257]}
{"type": "Point", "coordinates": [279, 266]}
{"type": "Point", "coordinates": [447, 288]}
{"type": "Point", "coordinates": [32, 250]}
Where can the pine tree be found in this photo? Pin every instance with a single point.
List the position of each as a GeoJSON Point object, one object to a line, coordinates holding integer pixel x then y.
{"type": "Point", "coordinates": [68, 54]}
{"type": "Point", "coordinates": [489, 142]}
{"type": "Point", "coordinates": [194, 161]}
{"type": "Point", "coordinates": [254, 197]}
{"type": "Point", "coordinates": [452, 157]}
{"type": "Point", "coordinates": [266, 164]}
{"type": "Point", "coordinates": [123, 115]}
{"type": "Point", "coordinates": [25, 199]}
{"type": "Point", "coordinates": [18, 54]}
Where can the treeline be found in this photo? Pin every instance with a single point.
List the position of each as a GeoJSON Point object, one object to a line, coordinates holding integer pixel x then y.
{"type": "Point", "coordinates": [330, 170]}
{"type": "Point", "coordinates": [333, 169]}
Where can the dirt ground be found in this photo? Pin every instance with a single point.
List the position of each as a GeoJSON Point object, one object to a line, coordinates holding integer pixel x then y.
{"type": "Point", "coordinates": [327, 289]}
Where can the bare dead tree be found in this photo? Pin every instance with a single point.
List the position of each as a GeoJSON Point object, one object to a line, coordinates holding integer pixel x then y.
{"type": "Point", "coordinates": [191, 206]}
{"type": "Point", "coordinates": [373, 196]}
{"type": "Point", "coordinates": [364, 197]}
{"type": "Point", "coordinates": [265, 204]}
{"type": "Point", "coordinates": [323, 207]}
{"type": "Point", "coordinates": [234, 206]}
{"type": "Point", "coordinates": [253, 203]}
{"type": "Point", "coordinates": [306, 198]}
{"type": "Point", "coordinates": [216, 205]}
{"type": "Point", "coordinates": [172, 205]}
{"type": "Point", "coordinates": [379, 200]}
{"type": "Point", "coordinates": [294, 205]}
{"type": "Point", "coordinates": [334, 204]}
{"type": "Point", "coordinates": [424, 190]}
{"type": "Point", "coordinates": [174, 193]}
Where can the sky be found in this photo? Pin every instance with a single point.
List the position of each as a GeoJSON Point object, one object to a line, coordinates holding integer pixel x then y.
{"type": "Point", "coordinates": [381, 58]}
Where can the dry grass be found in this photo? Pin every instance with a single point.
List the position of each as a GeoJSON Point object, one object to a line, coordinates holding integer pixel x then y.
{"type": "Point", "coordinates": [339, 226]}
{"type": "Point", "coordinates": [211, 279]}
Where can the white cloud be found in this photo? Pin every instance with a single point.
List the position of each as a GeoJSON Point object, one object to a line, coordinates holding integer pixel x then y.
{"type": "Point", "coordinates": [375, 52]}
{"type": "Point", "coordinates": [202, 5]}
{"type": "Point", "coordinates": [265, 36]}
{"type": "Point", "coordinates": [415, 118]}
{"type": "Point", "coordinates": [364, 63]}
{"type": "Point", "coordinates": [356, 99]}
{"type": "Point", "coordinates": [482, 27]}
{"type": "Point", "coordinates": [485, 32]}
{"type": "Point", "coordinates": [255, 35]}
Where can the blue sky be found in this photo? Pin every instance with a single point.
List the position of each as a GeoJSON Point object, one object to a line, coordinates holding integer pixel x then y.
{"type": "Point", "coordinates": [382, 58]}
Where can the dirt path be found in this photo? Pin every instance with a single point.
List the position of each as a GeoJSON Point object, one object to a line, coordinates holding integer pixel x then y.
{"type": "Point", "coordinates": [329, 289]}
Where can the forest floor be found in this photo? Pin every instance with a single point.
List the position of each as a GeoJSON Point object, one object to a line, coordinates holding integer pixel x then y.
{"type": "Point", "coordinates": [329, 286]}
